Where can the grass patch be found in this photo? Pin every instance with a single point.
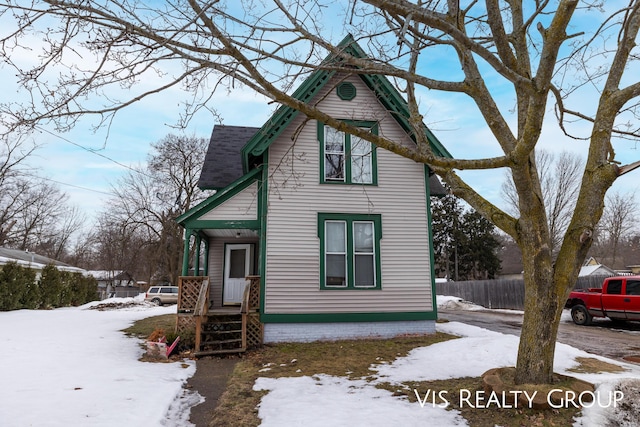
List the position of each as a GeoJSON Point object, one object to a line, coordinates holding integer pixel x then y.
{"type": "Point", "coordinates": [238, 405]}
{"type": "Point", "coordinates": [166, 324]}
{"type": "Point", "coordinates": [144, 327]}
{"type": "Point", "coordinates": [589, 365]}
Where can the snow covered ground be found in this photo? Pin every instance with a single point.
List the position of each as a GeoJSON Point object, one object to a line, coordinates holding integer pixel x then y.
{"type": "Point", "coordinates": [323, 400]}
{"type": "Point", "coordinates": [73, 367]}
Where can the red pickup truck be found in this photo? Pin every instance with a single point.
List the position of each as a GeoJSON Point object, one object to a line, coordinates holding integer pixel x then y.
{"type": "Point", "coordinates": [619, 300]}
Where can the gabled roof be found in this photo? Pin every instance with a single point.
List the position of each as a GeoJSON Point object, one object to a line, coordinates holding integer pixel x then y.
{"type": "Point", "coordinates": [380, 85]}
{"type": "Point", "coordinates": [232, 148]}
{"type": "Point", "coordinates": [223, 161]}
{"type": "Point", "coordinates": [596, 270]}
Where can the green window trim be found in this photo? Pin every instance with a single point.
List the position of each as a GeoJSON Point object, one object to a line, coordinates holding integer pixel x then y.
{"type": "Point", "coordinates": [346, 153]}
{"type": "Point", "coordinates": [350, 252]}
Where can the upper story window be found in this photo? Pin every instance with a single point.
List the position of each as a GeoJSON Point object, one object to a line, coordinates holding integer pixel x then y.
{"type": "Point", "coordinates": [346, 158]}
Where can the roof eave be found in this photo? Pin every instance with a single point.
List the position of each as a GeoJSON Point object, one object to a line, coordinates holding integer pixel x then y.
{"type": "Point", "coordinates": [383, 89]}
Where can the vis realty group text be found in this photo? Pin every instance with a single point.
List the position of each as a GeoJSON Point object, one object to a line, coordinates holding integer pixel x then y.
{"type": "Point", "coordinates": [555, 398]}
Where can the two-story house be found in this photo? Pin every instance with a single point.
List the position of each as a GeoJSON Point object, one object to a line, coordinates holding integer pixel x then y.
{"type": "Point", "coordinates": [336, 230]}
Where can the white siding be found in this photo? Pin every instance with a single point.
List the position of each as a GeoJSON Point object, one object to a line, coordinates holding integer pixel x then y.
{"type": "Point", "coordinates": [216, 273]}
{"type": "Point", "coordinates": [243, 205]}
{"type": "Point", "coordinates": [293, 266]}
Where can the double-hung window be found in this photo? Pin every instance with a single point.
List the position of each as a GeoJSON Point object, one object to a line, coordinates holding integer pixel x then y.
{"type": "Point", "coordinates": [346, 158]}
{"type": "Point", "coordinates": [349, 251]}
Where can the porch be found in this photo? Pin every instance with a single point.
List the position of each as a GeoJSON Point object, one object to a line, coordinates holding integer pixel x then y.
{"type": "Point", "coordinates": [223, 329]}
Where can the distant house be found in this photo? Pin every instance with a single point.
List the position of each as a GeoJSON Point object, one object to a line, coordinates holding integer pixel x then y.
{"type": "Point", "coordinates": [596, 270]}
{"type": "Point", "coordinates": [34, 261]}
{"type": "Point", "coordinates": [113, 283]}
{"type": "Point", "coordinates": [337, 231]}
{"type": "Point", "coordinates": [592, 267]}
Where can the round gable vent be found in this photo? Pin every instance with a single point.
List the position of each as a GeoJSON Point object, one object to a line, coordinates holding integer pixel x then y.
{"type": "Point", "coordinates": [346, 91]}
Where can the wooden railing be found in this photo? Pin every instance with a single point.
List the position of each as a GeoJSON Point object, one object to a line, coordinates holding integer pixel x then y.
{"type": "Point", "coordinates": [202, 305]}
{"type": "Point", "coordinates": [193, 310]}
{"type": "Point", "coordinates": [193, 302]}
{"type": "Point", "coordinates": [252, 329]}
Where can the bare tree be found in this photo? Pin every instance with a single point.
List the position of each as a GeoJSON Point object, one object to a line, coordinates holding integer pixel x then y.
{"type": "Point", "coordinates": [119, 247]}
{"type": "Point", "coordinates": [560, 176]}
{"type": "Point", "coordinates": [13, 155]}
{"type": "Point", "coordinates": [618, 221]}
{"type": "Point", "coordinates": [531, 49]}
{"type": "Point", "coordinates": [147, 201]}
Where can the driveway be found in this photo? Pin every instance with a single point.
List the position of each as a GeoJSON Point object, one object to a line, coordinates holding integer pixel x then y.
{"type": "Point", "coordinates": [620, 342]}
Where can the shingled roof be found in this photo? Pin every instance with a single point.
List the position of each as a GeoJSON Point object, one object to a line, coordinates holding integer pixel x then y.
{"type": "Point", "coordinates": [223, 162]}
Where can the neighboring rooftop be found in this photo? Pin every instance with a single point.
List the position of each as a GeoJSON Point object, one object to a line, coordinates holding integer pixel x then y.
{"type": "Point", "coordinates": [33, 260]}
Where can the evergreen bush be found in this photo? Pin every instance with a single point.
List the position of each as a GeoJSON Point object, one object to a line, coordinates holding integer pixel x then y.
{"type": "Point", "coordinates": [20, 289]}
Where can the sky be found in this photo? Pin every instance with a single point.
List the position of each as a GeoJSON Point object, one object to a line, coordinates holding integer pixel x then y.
{"type": "Point", "coordinates": [74, 367]}
{"type": "Point", "coordinates": [86, 164]}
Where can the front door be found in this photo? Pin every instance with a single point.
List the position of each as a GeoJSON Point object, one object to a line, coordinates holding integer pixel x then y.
{"type": "Point", "coordinates": [237, 266]}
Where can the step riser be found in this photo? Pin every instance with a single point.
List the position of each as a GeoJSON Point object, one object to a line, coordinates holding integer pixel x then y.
{"type": "Point", "coordinates": [221, 334]}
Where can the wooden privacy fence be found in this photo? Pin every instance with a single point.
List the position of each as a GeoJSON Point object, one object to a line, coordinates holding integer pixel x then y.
{"type": "Point", "coordinates": [502, 293]}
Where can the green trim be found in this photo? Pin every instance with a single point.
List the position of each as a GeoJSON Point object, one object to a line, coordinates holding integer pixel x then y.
{"type": "Point", "coordinates": [373, 126]}
{"type": "Point", "coordinates": [347, 317]}
{"type": "Point", "coordinates": [185, 253]}
{"type": "Point", "coordinates": [394, 103]}
{"type": "Point", "coordinates": [189, 217]}
{"type": "Point", "coordinates": [379, 84]}
{"type": "Point", "coordinates": [432, 261]}
{"type": "Point", "coordinates": [258, 144]}
{"type": "Point", "coordinates": [263, 193]}
{"type": "Point", "coordinates": [206, 256]}
{"type": "Point", "coordinates": [251, 224]}
{"type": "Point", "coordinates": [349, 219]}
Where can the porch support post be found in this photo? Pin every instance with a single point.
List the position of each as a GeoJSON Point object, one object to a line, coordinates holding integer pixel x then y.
{"type": "Point", "coordinates": [206, 257]}
{"type": "Point", "coordinates": [196, 262]}
{"type": "Point", "coordinates": [185, 255]}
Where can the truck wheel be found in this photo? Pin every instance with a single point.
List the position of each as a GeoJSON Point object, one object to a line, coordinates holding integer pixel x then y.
{"type": "Point", "coordinates": [580, 315]}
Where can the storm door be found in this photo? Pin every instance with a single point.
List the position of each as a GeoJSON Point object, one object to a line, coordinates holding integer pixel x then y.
{"type": "Point", "coordinates": [237, 266]}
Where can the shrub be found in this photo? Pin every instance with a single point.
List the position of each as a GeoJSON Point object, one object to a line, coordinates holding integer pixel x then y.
{"type": "Point", "coordinates": [31, 297]}
{"type": "Point", "coordinates": [16, 284]}
{"type": "Point", "coordinates": [51, 286]}
{"type": "Point", "coordinates": [20, 289]}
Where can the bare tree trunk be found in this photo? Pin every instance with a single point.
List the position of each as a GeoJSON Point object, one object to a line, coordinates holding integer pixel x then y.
{"type": "Point", "coordinates": [539, 329]}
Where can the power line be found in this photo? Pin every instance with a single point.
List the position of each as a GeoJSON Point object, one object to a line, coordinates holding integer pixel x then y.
{"type": "Point", "coordinates": [65, 183]}
{"type": "Point", "coordinates": [92, 151]}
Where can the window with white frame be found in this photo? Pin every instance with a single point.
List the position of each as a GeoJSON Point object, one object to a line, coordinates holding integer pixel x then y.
{"type": "Point", "coordinates": [350, 251]}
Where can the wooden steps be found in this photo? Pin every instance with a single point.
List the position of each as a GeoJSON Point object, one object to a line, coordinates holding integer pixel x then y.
{"type": "Point", "coordinates": [220, 333]}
